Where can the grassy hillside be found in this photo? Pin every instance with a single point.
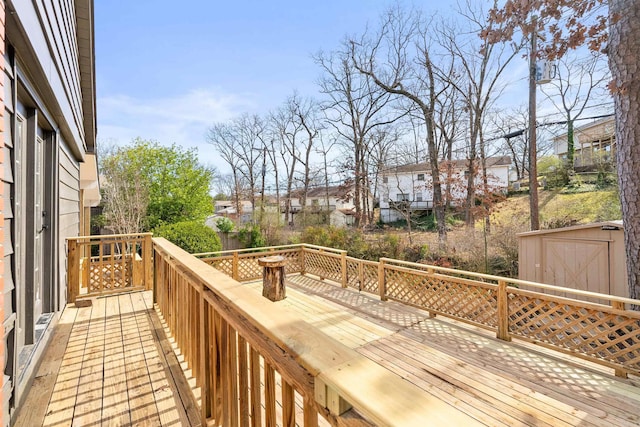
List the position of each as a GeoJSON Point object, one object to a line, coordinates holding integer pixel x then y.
{"type": "Point", "coordinates": [560, 209]}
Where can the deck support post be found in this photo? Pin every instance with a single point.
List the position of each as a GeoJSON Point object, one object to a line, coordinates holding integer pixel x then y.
{"type": "Point", "coordinates": [234, 266]}
{"type": "Point", "coordinates": [73, 267]}
{"type": "Point", "coordinates": [619, 306]}
{"type": "Point", "coordinates": [330, 398]}
{"type": "Point", "coordinates": [382, 286]}
{"type": "Point", "coordinates": [503, 312]}
{"type": "Point", "coordinates": [273, 276]}
{"type": "Point", "coordinates": [147, 261]}
{"type": "Point", "coordinates": [343, 263]}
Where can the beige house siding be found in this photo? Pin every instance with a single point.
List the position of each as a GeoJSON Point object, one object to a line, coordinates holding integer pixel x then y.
{"type": "Point", "coordinates": [587, 257]}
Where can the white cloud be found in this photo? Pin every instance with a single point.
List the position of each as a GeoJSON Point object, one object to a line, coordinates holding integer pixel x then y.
{"type": "Point", "coordinates": [183, 119]}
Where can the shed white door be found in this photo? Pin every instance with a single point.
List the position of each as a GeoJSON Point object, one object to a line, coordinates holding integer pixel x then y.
{"type": "Point", "coordinates": [577, 264]}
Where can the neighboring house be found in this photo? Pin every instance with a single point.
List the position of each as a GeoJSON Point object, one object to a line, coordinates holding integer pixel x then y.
{"type": "Point", "coordinates": [336, 200]}
{"type": "Point", "coordinates": [594, 143]}
{"type": "Point", "coordinates": [229, 209]}
{"type": "Point", "coordinates": [50, 178]}
{"type": "Point", "coordinates": [411, 187]}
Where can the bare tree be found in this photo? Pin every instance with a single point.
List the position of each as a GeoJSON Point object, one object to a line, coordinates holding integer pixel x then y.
{"type": "Point", "coordinates": [397, 58]}
{"type": "Point", "coordinates": [224, 185]}
{"type": "Point", "coordinates": [223, 137]}
{"type": "Point", "coordinates": [126, 196]}
{"type": "Point", "coordinates": [355, 108]}
{"type": "Point", "coordinates": [573, 89]}
{"type": "Point", "coordinates": [297, 126]}
{"type": "Point", "coordinates": [478, 80]}
{"type": "Point", "coordinates": [307, 113]}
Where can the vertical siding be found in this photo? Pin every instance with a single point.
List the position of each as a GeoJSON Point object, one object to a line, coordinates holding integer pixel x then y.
{"type": "Point", "coordinates": [4, 311]}
{"type": "Point", "coordinates": [69, 215]}
{"type": "Point", "coordinates": [50, 28]}
{"type": "Point", "coordinates": [58, 19]}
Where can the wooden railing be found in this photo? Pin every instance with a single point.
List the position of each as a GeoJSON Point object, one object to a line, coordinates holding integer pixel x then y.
{"type": "Point", "coordinates": [608, 334]}
{"type": "Point", "coordinates": [242, 348]}
{"type": "Point", "coordinates": [99, 265]}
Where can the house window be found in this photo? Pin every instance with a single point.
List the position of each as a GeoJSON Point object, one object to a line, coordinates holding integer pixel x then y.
{"type": "Point", "coordinates": [385, 179]}
{"type": "Point", "coordinates": [402, 197]}
{"type": "Point", "coordinates": [420, 177]}
{"type": "Point", "coordinates": [419, 197]}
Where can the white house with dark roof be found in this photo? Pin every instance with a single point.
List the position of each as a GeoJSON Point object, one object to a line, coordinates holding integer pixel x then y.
{"type": "Point", "coordinates": [410, 186]}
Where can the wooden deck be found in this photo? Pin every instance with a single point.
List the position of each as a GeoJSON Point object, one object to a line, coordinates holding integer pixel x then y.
{"type": "Point", "coordinates": [111, 364]}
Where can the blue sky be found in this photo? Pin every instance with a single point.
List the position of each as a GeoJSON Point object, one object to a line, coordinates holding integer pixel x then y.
{"type": "Point", "coordinates": [167, 70]}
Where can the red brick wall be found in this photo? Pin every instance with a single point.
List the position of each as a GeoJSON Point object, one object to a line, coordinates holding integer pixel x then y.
{"type": "Point", "coordinates": [2, 199]}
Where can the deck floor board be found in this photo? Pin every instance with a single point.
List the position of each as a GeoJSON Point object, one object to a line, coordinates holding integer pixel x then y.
{"type": "Point", "coordinates": [112, 371]}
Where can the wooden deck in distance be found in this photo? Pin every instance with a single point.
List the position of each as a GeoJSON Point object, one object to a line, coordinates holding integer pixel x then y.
{"type": "Point", "coordinates": [116, 372]}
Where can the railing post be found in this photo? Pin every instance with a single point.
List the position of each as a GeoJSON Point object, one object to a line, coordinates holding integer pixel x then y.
{"type": "Point", "coordinates": [234, 266]}
{"type": "Point", "coordinates": [147, 260]}
{"type": "Point", "coordinates": [503, 312]}
{"type": "Point", "coordinates": [302, 265]}
{"type": "Point", "coordinates": [343, 261]}
{"type": "Point", "coordinates": [431, 272]}
{"type": "Point", "coordinates": [330, 398]}
{"type": "Point", "coordinates": [617, 305]}
{"type": "Point", "coordinates": [360, 275]}
{"type": "Point", "coordinates": [382, 286]}
{"type": "Point", "coordinates": [205, 336]}
{"type": "Point", "coordinates": [73, 270]}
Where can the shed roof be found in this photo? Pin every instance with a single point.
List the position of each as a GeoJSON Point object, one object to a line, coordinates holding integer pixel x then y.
{"type": "Point", "coordinates": [616, 224]}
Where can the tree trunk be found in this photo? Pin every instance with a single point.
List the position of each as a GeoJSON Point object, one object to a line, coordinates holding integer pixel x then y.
{"type": "Point", "coordinates": [624, 56]}
{"type": "Point", "coordinates": [570, 147]}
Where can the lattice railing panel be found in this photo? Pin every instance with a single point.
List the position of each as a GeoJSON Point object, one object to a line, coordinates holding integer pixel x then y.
{"type": "Point", "coordinates": [223, 264]}
{"type": "Point", "coordinates": [353, 273]}
{"type": "Point", "coordinates": [293, 260]}
{"type": "Point", "coordinates": [362, 275]}
{"type": "Point", "coordinates": [248, 267]}
{"type": "Point", "coordinates": [324, 265]}
{"type": "Point", "coordinates": [370, 277]}
{"type": "Point", "coordinates": [596, 331]}
{"type": "Point", "coordinates": [109, 273]}
{"type": "Point", "coordinates": [474, 302]}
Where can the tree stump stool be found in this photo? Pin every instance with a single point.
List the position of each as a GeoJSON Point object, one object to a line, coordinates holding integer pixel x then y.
{"type": "Point", "coordinates": [273, 277]}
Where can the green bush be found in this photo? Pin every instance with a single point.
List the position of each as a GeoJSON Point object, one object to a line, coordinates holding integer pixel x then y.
{"type": "Point", "coordinates": [225, 225]}
{"type": "Point", "coordinates": [251, 236]}
{"type": "Point", "coordinates": [192, 236]}
{"type": "Point", "coordinates": [350, 240]}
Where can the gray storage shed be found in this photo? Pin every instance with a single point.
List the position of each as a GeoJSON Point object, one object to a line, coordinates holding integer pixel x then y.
{"type": "Point", "coordinates": [587, 257]}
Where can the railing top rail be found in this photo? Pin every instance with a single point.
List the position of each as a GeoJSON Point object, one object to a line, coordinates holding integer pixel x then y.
{"type": "Point", "coordinates": [261, 249]}
{"type": "Point", "coordinates": [269, 248]}
{"type": "Point", "coordinates": [323, 248]}
{"type": "Point", "coordinates": [108, 236]}
{"type": "Point", "coordinates": [519, 282]}
{"type": "Point", "coordinates": [331, 362]}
